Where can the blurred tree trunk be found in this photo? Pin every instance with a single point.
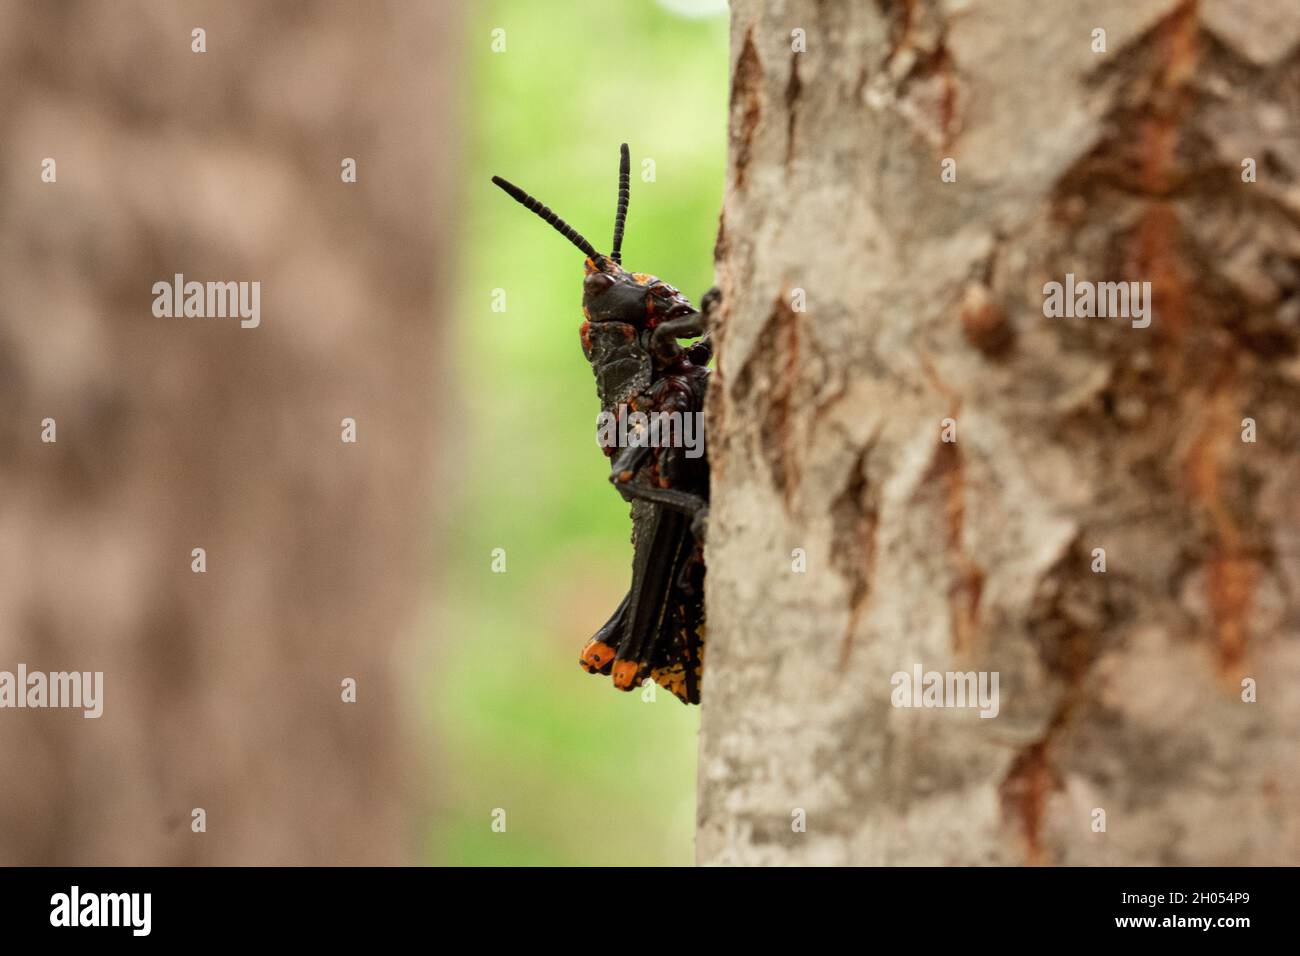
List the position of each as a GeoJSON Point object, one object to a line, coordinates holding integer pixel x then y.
{"type": "Point", "coordinates": [223, 690]}
{"type": "Point", "coordinates": [867, 300]}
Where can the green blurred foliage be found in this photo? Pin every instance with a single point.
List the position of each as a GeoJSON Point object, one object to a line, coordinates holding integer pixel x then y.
{"type": "Point", "coordinates": [586, 775]}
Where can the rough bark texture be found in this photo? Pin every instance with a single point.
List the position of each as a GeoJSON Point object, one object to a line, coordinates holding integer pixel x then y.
{"type": "Point", "coordinates": [222, 689]}
{"type": "Point", "coordinates": [1119, 690]}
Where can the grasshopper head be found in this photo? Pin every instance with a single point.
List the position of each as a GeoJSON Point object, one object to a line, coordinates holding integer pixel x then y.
{"type": "Point", "coordinates": [617, 305]}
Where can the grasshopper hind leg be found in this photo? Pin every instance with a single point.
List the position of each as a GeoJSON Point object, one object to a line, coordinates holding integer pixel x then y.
{"type": "Point", "coordinates": [678, 664]}
{"type": "Point", "coordinates": [598, 654]}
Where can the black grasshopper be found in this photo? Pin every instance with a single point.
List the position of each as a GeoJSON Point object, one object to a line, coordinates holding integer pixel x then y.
{"type": "Point", "coordinates": [632, 324]}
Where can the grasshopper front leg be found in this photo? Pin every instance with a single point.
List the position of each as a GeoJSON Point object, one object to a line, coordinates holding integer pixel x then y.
{"type": "Point", "coordinates": [663, 340]}
{"type": "Point", "coordinates": [623, 474]}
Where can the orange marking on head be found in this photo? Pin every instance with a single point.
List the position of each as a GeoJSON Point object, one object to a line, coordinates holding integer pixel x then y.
{"type": "Point", "coordinates": [605, 265]}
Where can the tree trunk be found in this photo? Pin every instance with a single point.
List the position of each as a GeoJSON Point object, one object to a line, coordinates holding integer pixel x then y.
{"type": "Point", "coordinates": [223, 690]}
{"type": "Point", "coordinates": [867, 300]}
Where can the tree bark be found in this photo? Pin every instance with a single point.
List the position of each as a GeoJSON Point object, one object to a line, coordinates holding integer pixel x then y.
{"type": "Point", "coordinates": [222, 689]}
{"type": "Point", "coordinates": [923, 300]}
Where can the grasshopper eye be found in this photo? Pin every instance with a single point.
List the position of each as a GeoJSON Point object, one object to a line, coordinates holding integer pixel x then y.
{"type": "Point", "coordinates": [597, 283]}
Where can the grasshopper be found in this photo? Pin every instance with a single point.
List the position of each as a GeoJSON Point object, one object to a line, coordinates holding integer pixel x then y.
{"type": "Point", "coordinates": [631, 326]}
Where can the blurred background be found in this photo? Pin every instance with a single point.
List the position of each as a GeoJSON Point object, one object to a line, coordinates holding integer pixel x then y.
{"type": "Point", "coordinates": [585, 773]}
{"type": "Point", "coordinates": [326, 560]}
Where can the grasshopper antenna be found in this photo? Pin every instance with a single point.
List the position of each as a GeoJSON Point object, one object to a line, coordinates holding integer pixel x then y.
{"type": "Point", "coordinates": [620, 218]}
{"type": "Point", "coordinates": [562, 227]}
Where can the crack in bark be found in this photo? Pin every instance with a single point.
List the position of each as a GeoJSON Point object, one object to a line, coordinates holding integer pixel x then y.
{"type": "Point", "coordinates": [919, 31]}
{"type": "Point", "coordinates": [785, 471]}
{"type": "Point", "coordinates": [1068, 615]}
{"type": "Point", "coordinates": [1153, 158]}
{"type": "Point", "coordinates": [1159, 254]}
{"type": "Point", "coordinates": [747, 97]}
{"type": "Point", "coordinates": [856, 517]}
{"type": "Point", "coordinates": [793, 90]}
{"type": "Point", "coordinates": [966, 578]}
{"type": "Point", "coordinates": [1230, 568]}
{"type": "Point", "coordinates": [771, 378]}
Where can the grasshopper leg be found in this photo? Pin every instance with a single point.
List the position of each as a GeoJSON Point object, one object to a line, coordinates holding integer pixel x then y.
{"type": "Point", "coordinates": [597, 655]}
